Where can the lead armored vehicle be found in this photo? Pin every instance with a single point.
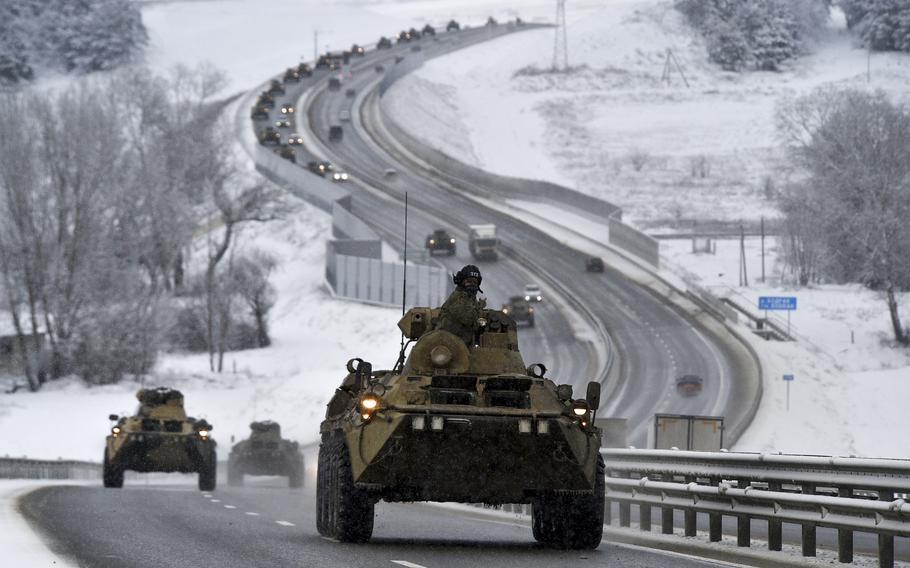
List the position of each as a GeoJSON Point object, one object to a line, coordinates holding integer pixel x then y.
{"type": "Point", "coordinates": [159, 437]}
{"type": "Point", "coordinates": [265, 452]}
{"type": "Point", "coordinates": [464, 423]}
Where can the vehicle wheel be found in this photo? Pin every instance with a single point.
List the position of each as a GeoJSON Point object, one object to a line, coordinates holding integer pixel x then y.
{"type": "Point", "coordinates": [235, 474]}
{"type": "Point", "coordinates": [351, 511]}
{"type": "Point", "coordinates": [111, 475]}
{"type": "Point", "coordinates": [323, 524]}
{"type": "Point", "coordinates": [295, 479]}
{"type": "Point", "coordinates": [207, 474]}
{"type": "Point", "coordinates": [569, 521]}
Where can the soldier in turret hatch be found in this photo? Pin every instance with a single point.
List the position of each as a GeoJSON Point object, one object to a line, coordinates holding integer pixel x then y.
{"type": "Point", "coordinates": [461, 309]}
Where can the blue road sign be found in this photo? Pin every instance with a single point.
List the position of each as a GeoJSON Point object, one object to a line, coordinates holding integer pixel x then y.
{"type": "Point", "coordinates": [789, 377]}
{"type": "Point", "coordinates": [787, 303]}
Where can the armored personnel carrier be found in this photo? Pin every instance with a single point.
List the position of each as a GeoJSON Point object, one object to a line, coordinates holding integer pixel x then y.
{"type": "Point", "coordinates": [159, 437]}
{"type": "Point", "coordinates": [464, 423]}
{"type": "Point", "coordinates": [265, 452]}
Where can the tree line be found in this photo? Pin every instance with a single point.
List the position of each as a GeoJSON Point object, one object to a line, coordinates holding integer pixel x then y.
{"type": "Point", "coordinates": [108, 190]}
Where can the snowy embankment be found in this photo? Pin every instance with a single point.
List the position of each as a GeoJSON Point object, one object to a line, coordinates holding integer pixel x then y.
{"type": "Point", "coordinates": [664, 151]}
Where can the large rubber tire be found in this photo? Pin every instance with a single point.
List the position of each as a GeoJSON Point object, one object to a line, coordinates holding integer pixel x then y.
{"type": "Point", "coordinates": [111, 475]}
{"type": "Point", "coordinates": [349, 515]}
{"type": "Point", "coordinates": [208, 474]}
{"type": "Point", "coordinates": [295, 479]}
{"type": "Point", "coordinates": [323, 521]}
{"type": "Point", "coordinates": [570, 521]}
{"type": "Point", "coordinates": [235, 474]}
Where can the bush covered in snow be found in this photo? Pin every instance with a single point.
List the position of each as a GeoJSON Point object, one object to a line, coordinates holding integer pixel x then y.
{"type": "Point", "coordinates": [884, 25]}
{"type": "Point", "coordinates": [72, 35]}
{"type": "Point", "coordinates": [759, 34]}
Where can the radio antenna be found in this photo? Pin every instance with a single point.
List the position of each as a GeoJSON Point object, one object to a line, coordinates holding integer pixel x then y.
{"type": "Point", "coordinates": [404, 286]}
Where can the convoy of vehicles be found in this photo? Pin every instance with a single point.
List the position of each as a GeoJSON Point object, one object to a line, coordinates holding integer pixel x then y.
{"type": "Point", "coordinates": [483, 242]}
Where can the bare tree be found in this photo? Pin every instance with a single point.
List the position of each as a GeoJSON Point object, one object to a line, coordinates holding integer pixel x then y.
{"type": "Point", "coordinates": [251, 277]}
{"type": "Point", "coordinates": [855, 149]}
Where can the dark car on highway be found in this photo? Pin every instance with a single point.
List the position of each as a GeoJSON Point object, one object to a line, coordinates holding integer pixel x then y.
{"type": "Point", "coordinates": [594, 264]}
{"type": "Point", "coordinates": [440, 241]}
{"type": "Point", "coordinates": [689, 385]}
{"type": "Point", "coordinates": [336, 133]}
{"type": "Point", "coordinates": [520, 310]}
{"type": "Point", "coordinates": [334, 84]}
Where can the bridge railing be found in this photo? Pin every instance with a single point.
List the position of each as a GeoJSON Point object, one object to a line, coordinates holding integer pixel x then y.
{"type": "Point", "coordinates": [844, 493]}
{"type": "Point", "coordinates": [24, 468]}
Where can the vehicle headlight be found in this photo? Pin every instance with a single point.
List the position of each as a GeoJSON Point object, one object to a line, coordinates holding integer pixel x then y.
{"type": "Point", "coordinates": [369, 403]}
{"type": "Point", "coordinates": [581, 412]}
{"type": "Point", "coordinates": [344, 176]}
{"type": "Point", "coordinates": [115, 431]}
{"type": "Point", "coordinates": [527, 298]}
{"type": "Point", "coordinates": [204, 434]}
{"type": "Point", "coordinates": [432, 241]}
{"type": "Point", "coordinates": [505, 310]}
{"type": "Point", "coordinates": [452, 241]}
{"type": "Point", "coordinates": [531, 310]}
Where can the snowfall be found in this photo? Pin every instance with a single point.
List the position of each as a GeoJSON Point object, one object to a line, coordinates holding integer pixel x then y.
{"type": "Point", "coordinates": [590, 129]}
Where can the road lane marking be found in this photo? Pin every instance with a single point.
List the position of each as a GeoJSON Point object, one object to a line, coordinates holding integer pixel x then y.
{"type": "Point", "coordinates": [207, 495]}
{"type": "Point", "coordinates": [407, 564]}
{"type": "Point", "coordinates": [252, 514]}
{"type": "Point", "coordinates": [285, 524]}
{"type": "Point", "coordinates": [216, 500]}
{"type": "Point", "coordinates": [230, 506]}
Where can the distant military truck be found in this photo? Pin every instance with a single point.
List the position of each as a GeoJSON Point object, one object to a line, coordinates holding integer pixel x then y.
{"type": "Point", "coordinates": [276, 88]}
{"type": "Point", "coordinates": [358, 50]}
{"type": "Point", "coordinates": [265, 452]}
{"type": "Point", "coordinates": [159, 437]}
{"type": "Point", "coordinates": [384, 43]}
{"type": "Point", "coordinates": [269, 135]}
{"type": "Point", "coordinates": [259, 112]}
{"type": "Point", "coordinates": [453, 26]}
{"type": "Point", "coordinates": [520, 310]}
{"type": "Point", "coordinates": [336, 133]}
{"type": "Point", "coordinates": [334, 84]}
{"type": "Point", "coordinates": [483, 242]}
{"type": "Point", "coordinates": [441, 241]}
{"type": "Point", "coordinates": [291, 75]}
{"type": "Point", "coordinates": [304, 70]}
{"type": "Point", "coordinates": [429, 30]}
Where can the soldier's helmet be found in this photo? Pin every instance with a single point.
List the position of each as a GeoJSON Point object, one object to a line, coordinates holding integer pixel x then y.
{"type": "Point", "coordinates": [468, 278]}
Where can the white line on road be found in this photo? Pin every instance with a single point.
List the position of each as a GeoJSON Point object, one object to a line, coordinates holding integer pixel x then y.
{"type": "Point", "coordinates": [230, 507]}
{"type": "Point", "coordinates": [252, 514]}
{"type": "Point", "coordinates": [407, 564]}
{"type": "Point", "coordinates": [285, 524]}
{"type": "Point", "coordinates": [207, 496]}
{"type": "Point", "coordinates": [216, 500]}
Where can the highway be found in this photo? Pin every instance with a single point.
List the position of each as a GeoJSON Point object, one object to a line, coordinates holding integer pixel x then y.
{"type": "Point", "coordinates": [265, 524]}
{"type": "Point", "coordinates": [653, 342]}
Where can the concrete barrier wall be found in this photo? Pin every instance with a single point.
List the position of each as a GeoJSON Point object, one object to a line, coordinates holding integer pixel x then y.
{"type": "Point", "coordinates": [22, 468]}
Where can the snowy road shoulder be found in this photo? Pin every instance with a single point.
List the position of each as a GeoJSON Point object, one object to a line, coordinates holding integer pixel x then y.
{"type": "Point", "coordinates": [20, 544]}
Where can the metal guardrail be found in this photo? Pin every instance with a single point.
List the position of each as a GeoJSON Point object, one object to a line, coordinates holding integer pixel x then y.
{"type": "Point", "coordinates": [844, 493]}
{"type": "Point", "coordinates": [24, 468]}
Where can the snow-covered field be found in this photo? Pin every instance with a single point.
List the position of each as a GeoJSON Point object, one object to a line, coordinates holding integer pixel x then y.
{"type": "Point", "coordinates": [612, 128]}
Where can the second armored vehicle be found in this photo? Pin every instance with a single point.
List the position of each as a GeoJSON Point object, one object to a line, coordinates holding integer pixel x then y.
{"type": "Point", "coordinates": [441, 241]}
{"type": "Point", "coordinates": [265, 452]}
{"type": "Point", "coordinates": [159, 437]}
{"type": "Point", "coordinates": [463, 423]}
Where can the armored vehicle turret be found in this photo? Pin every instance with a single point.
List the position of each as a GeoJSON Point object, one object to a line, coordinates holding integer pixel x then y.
{"type": "Point", "coordinates": [465, 422]}
{"type": "Point", "coordinates": [159, 437]}
{"type": "Point", "coordinates": [265, 452]}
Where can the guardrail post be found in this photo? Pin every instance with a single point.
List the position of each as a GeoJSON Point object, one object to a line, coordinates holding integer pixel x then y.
{"type": "Point", "coordinates": [715, 521]}
{"type": "Point", "coordinates": [808, 529]}
{"type": "Point", "coordinates": [608, 512]}
{"type": "Point", "coordinates": [775, 529]}
{"type": "Point", "coordinates": [666, 520]}
{"type": "Point", "coordinates": [625, 513]}
{"type": "Point", "coordinates": [886, 541]}
{"type": "Point", "coordinates": [689, 517]}
{"type": "Point", "coordinates": [743, 522]}
{"type": "Point", "coordinates": [844, 536]}
{"type": "Point", "coordinates": [644, 517]}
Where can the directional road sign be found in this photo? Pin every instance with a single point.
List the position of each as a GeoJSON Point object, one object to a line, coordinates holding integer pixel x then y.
{"type": "Point", "coordinates": [787, 303]}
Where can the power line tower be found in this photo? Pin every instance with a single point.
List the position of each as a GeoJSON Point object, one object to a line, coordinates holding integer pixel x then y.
{"type": "Point", "coordinates": [561, 43]}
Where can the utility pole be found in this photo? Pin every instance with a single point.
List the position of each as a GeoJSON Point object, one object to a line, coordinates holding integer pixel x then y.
{"type": "Point", "coordinates": [743, 274]}
{"type": "Point", "coordinates": [763, 249]}
{"type": "Point", "coordinates": [669, 63]}
{"type": "Point", "coordinates": [561, 42]}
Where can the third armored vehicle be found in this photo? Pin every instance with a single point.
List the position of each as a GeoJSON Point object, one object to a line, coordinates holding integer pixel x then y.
{"type": "Point", "coordinates": [463, 423]}
{"type": "Point", "coordinates": [265, 452]}
{"type": "Point", "coordinates": [159, 437]}
{"type": "Point", "coordinates": [440, 240]}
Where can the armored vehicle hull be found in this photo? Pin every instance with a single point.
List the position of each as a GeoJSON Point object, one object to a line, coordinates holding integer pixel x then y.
{"type": "Point", "coordinates": [463, 423]}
